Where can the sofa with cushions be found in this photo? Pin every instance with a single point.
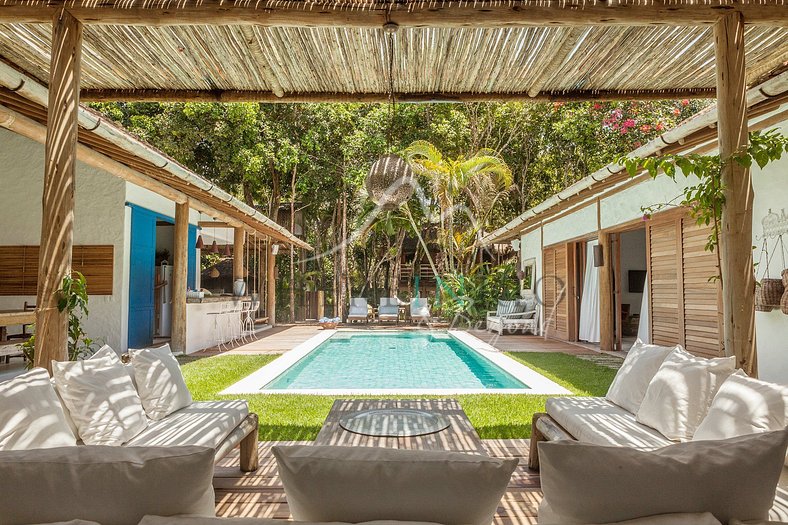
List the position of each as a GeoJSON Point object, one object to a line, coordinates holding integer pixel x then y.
{"type": "Point", "coordinates": [518, 314]}
{"type": "Point", "coordinates": [101, 401]}
{"type": "Point", "coordinates": [664, 395]}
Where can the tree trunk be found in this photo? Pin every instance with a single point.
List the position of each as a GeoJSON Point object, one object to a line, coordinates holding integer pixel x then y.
{"type": "Point", "coordinates": [292, 248]}
{"type": "Point", "coordinates": [396, 267]}
{"type": "Point", "coordinates": [335, 220]}
{"type": "Point", "coordinates": [343, 273]}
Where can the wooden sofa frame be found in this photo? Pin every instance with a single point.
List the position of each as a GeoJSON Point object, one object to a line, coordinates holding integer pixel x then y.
{"type": "Point", "coordinates": [245, 435]}
{"type": "Point", "coordinates": [544, 428]}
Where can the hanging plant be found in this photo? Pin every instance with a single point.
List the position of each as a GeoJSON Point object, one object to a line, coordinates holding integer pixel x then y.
{"type": "Point", "coordinates": [706, 199]}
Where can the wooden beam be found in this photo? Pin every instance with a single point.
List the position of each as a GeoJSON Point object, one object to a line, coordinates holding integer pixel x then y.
{"type": "Point", "coordinates": [175, 95]}
{"type": "Point", "coordinates": [514, 13]}
{"type": "Point", "coordinates": [566, 42]}
{"type": "Point", "coordinates": [214, 224]}
{"type": "Point", "coordinates": [239, 238]}
{"type": "Point", "coordinates": [270, 282]}
{"type": "Point", "coordinates": [57, 219]}
{"type": "Point", "coordinates": [606, 308]}
{"type": "Point", "coordinates": [180, 276]}
{"type": "Point", "coordinates": [738, 280]}
{"type": "Point", "coordinates": [261, 61]}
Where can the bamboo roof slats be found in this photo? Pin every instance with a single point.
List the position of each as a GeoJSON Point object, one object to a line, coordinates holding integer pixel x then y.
{"type": "Point", "coordinates": [320, 64]}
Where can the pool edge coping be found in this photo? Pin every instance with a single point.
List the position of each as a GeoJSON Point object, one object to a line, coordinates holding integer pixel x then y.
{"type": "Point", "coordinates": [536, 382]}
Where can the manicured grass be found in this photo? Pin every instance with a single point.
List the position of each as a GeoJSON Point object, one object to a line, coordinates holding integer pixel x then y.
{"type": "Point", "coordinates": [299, 417]}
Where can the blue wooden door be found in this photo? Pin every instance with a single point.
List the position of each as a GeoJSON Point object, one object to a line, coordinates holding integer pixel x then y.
{"type": "Point", "coordinates": [192, 266]}
{"type": "Point", "coordinates": [141, 277]}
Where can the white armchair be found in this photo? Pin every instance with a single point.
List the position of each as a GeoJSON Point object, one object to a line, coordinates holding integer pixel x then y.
{"type": "Point", "coordinates": [524, 316]}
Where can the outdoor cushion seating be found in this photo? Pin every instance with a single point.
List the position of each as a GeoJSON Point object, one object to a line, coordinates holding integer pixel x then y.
{"type": "Point", "coordinates": [388, 309]}
{"type": "Point", "coordinates": [510, 316]}
{"type": "Point", "coordinates": [420, 309]}
{"type": "Point", "coordinates": [359, 310]}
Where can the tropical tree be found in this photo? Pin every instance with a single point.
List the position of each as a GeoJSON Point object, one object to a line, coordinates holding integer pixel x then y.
{"type": "Point", "coordinates": [480, 178]}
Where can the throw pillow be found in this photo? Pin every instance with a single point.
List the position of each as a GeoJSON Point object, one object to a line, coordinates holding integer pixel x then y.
{"type": "Point", "coordinates": [108, 485]}
{"type": "Point", "coordinates": [679, 395]}
{"type": "Point", "coordinates": [101, 400]}
{"type": "Point", "coordinates": [31, 415]}
{"type": "Point", "coordinates": [685, 477]}
{"type": "Point", "coordinates": [638, 369]}
{"type": "Point", "coordinates": [744, 405]}
{"type": "Point", "coordinates": [505, 307]}
{"type": "Point", "coordinates": [354, 484]}
{"type": "Point", "coordinates": [159, 381]}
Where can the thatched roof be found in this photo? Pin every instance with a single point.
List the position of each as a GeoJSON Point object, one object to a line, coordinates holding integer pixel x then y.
{"type": "Point", "coordinates": [337, 50]}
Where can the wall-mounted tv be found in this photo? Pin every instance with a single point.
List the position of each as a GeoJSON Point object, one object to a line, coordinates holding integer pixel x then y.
{"type": "Point", "coordinates": [637, 280]}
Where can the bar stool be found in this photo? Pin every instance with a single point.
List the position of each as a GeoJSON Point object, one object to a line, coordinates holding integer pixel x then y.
{"type": "Point", "coordinates": [247, 321]}
{"type": "Point", "coordinates": [220, 326]}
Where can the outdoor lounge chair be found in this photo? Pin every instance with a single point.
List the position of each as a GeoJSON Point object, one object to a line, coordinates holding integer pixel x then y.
{"type": "Point", "coordinates": [420, 310]}
{"type": "Point", "coordinates": [388, 309]}
{"type": "Point", "coordinates": [525, 317]}
{"type": "Point", "coordinates": [358, 311]}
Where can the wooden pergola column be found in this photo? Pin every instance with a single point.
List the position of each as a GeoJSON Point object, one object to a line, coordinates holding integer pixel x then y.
{"type": "Point", "coordinates": [606, 310]}
{"type": "Point", "coordinates": [180, 277]}
{"type": "Point", "coordinates": [239, 236]}
{"type": "Point", "coordinates": [270, 281]}
{"type": "Point", "coordinates": [735, 243]}
{"type": "Point", "coordinates": [57, 218]}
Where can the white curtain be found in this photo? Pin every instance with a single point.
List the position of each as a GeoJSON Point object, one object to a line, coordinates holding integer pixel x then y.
{"type": "Point", "coordinates": [589, 304]}
{"type": "Point", "coordinates": [643, 334]}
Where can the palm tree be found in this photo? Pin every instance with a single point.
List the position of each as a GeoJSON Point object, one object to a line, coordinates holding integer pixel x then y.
{"type": "Point", "coordinates": [482, 178]}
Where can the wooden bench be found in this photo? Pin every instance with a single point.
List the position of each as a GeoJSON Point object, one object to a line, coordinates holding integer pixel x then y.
{"type": "Point", "coordinates": [544, 428]}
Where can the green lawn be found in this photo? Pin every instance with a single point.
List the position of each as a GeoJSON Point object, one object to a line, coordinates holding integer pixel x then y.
{"type": "Point", "coordinates": [299, 417]}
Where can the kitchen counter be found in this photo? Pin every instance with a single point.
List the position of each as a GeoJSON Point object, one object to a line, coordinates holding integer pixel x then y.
{"type": "Point", "coordinates": [212, 321]}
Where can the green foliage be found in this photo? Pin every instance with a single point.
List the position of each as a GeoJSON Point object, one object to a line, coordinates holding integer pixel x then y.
{"type": "Point", "coordinates": [300, 417]}
{"type": "Point", "coordinates": [706, 198]}
{"type": "Point", "coordinates": [473, 294]}
{"type": "Point", "coordinates": [73, 299]}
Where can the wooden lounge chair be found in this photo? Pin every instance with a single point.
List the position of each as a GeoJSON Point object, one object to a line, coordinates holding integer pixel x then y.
{"type": "Point", "coordinates": [358, 311]}
{"type": "Point", "coordinates": [525, 320]}
{"type": "Point", "coordinates": [420, 310]}
{"type": "Point", "coordinates": [388, 309]}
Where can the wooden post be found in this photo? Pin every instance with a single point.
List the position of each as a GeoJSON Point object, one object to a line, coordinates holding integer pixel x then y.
{"type": "Point", "coordinates": [738, 280]}
{"type": "Point", "coordinates": [239, 237]}
{"type": "Point", "coordinates": [57, 218]}
{"type": "Point", "coordinates": [270, 280]}
{"type": "Point", "coordinates": [606, 326]}
{"type": "Point", "coordinates": [180, 272]}
{"type": "Point", "coordinates": [321, 304]}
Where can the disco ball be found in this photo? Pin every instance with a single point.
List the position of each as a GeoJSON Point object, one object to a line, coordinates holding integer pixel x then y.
{"type": "Point", "coordinates": [390, 182]}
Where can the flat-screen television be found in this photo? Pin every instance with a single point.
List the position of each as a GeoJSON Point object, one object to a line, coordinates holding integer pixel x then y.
{"type": "Point", "coordinates": [637, 280]}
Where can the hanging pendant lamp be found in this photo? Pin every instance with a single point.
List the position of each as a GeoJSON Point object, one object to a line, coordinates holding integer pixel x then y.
{"type": "Point", "coordinates": [227, 252]}
{"type": "Point", "coordinates": [199, 244]}
{"type": "Point", "coordinates": [214, 247]}
{"type": "Point", "coordinates": [390, 181]}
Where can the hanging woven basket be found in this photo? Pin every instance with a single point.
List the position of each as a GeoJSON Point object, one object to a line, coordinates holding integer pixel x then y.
{"type": "Point", "coordinates": [784, 301]}
{"type": "Point", "coordinates": [760, 302]}
{"type": "Point", "coordinates": [390, 182]}
{"type": "Point", "coordinates": [772, 291]}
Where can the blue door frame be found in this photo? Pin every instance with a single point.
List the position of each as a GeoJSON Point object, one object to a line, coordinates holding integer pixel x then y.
{"type": "Point", "coordinates": [142, 272]}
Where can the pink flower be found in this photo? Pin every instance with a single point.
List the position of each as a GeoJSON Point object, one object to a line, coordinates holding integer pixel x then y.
{"type": "Point", "coordinates": [645, 128]}
{"type": "Point", "coordinates": [629, 123]}
{"type": "Point", "coordinates": [676, 111]}
{"type": "Point", "coordinates": [597, 106]}
{"type": "Point", "coordinates": [660, 126]}
{"type": "Point", "coordinates": [646, 216]}
{"type": "Point", "coordinates": [685, 102]}
{"type": "Point", "coordinates": [638, 143]}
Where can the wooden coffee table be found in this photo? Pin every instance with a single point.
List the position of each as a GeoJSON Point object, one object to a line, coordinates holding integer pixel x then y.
{"type": "Point", "coordinates": [460, 436]}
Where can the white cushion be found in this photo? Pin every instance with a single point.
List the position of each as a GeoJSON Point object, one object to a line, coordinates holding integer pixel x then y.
{"type": "Point", "coordinates": [733, 478]}
{"type": "Point", "coordinates": [355, 484]}
{"type": "Point", "coordinates": [203, 423]}
{"type": "Point", "coordinates": [160, 381]}
{"type": "Point", "coordinates": [109, 485]}
{"type": "Point", "coordinates": [744, 405]}
{"type": "Point", "coordinates": [31, 415]}
{"type": "Point", "coordinates": [679, 395]}
{"type": "Point", "coordinates": [101, 400]}
{"type": "Point", "coordinates": [547, 516]}
{"type": "Point", "coordinates": [597, 421]}
{"type": "Point", "coordinates": [631, 382]}
{"type": "Point", "coordinates": [203, 520]}
{"type": "Point", "coordinates": [108, 351]}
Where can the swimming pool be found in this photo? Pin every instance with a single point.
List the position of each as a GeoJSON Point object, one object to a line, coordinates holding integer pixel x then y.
{"type": "Point", "coordinates": [394, 362]}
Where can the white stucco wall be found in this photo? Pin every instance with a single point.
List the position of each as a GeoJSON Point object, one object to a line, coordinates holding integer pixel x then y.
{"type": "Point", "coordinates": [771, 328]}
{"type": "Point", "coordinates": [98, 219]}
{"type": "Point", "coordinates": [581, 222]}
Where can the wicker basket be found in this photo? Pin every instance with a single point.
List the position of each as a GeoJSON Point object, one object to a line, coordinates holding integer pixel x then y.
{"type": "Point", "coordinates": [328, 326]}
{"type": "Point", "coordinates": [772, 291]}
{"type": "Point", "coordinates": [760, 303]}
{"type": "Point", "coordinates": [784, 301]}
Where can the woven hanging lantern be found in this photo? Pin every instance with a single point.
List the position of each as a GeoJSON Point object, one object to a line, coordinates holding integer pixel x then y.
{"type": "Point", "coordinates": [214, 247]}
{"type": "Point", "coordinates": [390, 182]}
{"type": "Point", "coordinates": [199, 244]}
{"type": "Point", "coordinates": [227, 252]}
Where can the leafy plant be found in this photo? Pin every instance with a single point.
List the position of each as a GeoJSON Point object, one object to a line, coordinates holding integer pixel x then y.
{"type": "Point", "coordinates": [706, 199]}
{"type": "Point", "coordinates": [73, 299]}
{"type": "Point", "coordinates": [478, 291]}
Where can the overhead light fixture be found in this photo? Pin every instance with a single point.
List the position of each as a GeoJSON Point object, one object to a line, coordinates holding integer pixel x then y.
{"type": "Point", "coordinates": [199, 244]}
{"type": "Point", "coordinates": [214, 247]}
{"type": "Point", "coordinates": [274, 249]}
{"type": "Point", "coordinates": [227, 252]}
{"type": "Point", "coordinates": [599, 258]}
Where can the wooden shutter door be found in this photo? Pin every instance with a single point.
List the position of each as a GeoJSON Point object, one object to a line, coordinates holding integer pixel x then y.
{"type": "Point", "coordinates": [555, 273]}
{"type": "Point", "coordinates": [683, 295]}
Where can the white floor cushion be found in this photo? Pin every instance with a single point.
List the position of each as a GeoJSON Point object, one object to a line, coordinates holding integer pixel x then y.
{"type": "Point", "coordinates": [108, 485]}
{"type": "Point", "coordinates": [101, 400]}
{"type": "Point", "coordinates": [203, 423]}
{"type": "Point", "coordinates": [160, 382]}
{"type": "Point", "coordinates": [681, 392]}
{"type": "Point", "coordinates": [744, 405]}
{"type": "Point", "coordinates": [597, 421]}
{"type": "Point", "coordinates": [31, 415]}
{"type": "Point", "coordinates": [631, 382]}
{"type": "Point", "coordinates": [355, 484]}
{"type": "Point", "coordinates": [734, 478]}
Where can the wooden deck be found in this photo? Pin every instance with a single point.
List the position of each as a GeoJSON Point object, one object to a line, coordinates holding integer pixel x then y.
{"type": "Point", "coordinates": [260, 494]}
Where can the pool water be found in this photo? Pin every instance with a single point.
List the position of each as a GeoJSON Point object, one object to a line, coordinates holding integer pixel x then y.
{"type": "Point", "coordinates": [393, 361]}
